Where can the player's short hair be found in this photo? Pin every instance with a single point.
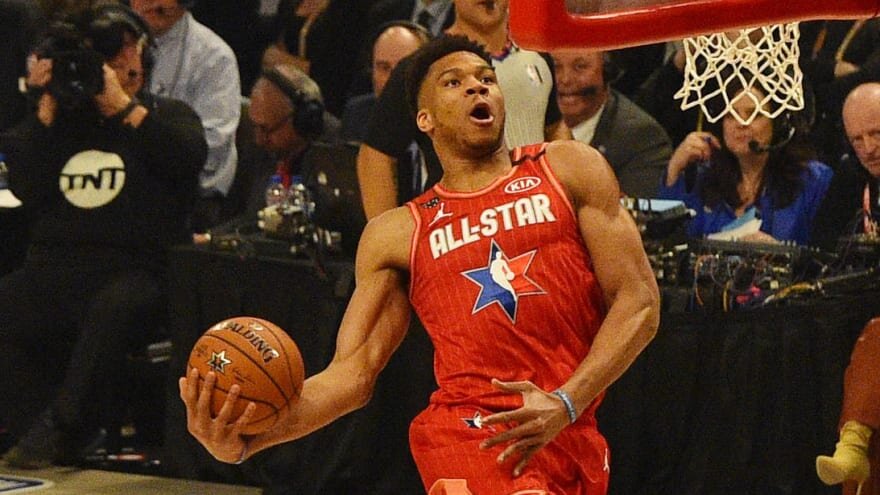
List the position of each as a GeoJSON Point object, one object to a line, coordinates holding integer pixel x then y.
{"type": "Point", "coordinates": [433, 51]}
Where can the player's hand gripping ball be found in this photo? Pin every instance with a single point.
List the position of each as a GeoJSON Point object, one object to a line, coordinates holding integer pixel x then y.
{"type": "Point", "coordinates": [257, 355]}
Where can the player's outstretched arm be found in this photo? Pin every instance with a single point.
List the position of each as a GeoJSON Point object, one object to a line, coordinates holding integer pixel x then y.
{"type": "Point", "coordinates": [374, 324]}
{"type": "Point", "coordinates": [631, 296]}
{"type": "Point", "coordinates": [620, 264]}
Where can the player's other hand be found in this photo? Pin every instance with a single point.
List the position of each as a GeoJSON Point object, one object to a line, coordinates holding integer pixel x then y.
{"type": "Point", "coordinates": [221, 436]}
{"type": "Point", "coordinates": [541, 417]}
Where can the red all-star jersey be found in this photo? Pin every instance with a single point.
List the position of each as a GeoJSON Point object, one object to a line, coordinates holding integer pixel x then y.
{"type": "Point", "coordinates": [503, 283]}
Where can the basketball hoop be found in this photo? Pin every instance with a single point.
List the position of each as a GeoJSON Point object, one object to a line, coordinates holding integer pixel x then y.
{"type": "Point", "coordinates": [763, 58]}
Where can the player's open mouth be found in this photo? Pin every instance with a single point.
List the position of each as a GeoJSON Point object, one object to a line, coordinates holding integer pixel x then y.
{"type": "Point", "coordinates": [488, 4]}
{"type": "Point", "coordinates": [481, 114]}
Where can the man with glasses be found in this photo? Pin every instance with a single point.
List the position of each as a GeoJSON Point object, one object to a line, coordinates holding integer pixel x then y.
{"type": "Point", "coordinates": [286, 116]}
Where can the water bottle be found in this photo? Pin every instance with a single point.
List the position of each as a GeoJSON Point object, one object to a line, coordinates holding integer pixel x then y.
{"type": "Point", "coordinates": [300, 197]}
{"type": "Point", "coordinates": [276, 193]}
{"type": "Point", "coordinates": [4, 173]}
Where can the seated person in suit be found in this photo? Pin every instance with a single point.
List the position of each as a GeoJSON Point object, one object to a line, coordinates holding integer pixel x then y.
{"type": "Point", "coordinates": [759, 170]}
{"type": "Point", "coordinates": [109, 174]}
{"type": "Point", "coordinates": [635, 145]}
{"type": "Point", "coordinates": [851, 205]}
{"type": "Point", "coordinates": [286, 115]}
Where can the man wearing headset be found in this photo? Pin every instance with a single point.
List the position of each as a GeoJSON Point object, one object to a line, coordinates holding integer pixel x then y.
{"type": "Point", "coordinates": [286, 115]}
{"type": "Point", "coordinates": [108, 174]}
{"type": "Point", "coordinates": [635, 145]}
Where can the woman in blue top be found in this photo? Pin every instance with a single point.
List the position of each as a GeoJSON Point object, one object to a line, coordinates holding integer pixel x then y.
{"type": "Point", "coordinates": [744, 173]}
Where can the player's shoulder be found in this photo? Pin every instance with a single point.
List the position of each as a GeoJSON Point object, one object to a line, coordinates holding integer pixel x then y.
{"type": "Point", "coordinates": [583, 172]}
{"type": "Point", "coordinates": [387, 237]}
{"type": "Point", "coordinates": [574, 162]}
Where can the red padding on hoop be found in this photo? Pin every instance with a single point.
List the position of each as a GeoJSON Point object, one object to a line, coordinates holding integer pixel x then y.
{"type": "Point", "coordinates": [546, 25]}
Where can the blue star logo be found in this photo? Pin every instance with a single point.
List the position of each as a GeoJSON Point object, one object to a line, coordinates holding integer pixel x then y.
{"type": "Point", "coordinates": [503, 281]}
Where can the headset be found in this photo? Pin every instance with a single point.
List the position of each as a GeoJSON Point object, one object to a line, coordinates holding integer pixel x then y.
{"type": "Point", "coordinates": [611, 70]}
{"type": "Point", "coordinates": [308, 113]}
{"type": "Point", "coordinates": [104, 31]}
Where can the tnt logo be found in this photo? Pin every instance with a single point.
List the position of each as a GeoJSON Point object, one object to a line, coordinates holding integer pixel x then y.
{"type": "Point", "coordinates": [522, 184]}
{"type": "Point", "coordinates": [91, 179]}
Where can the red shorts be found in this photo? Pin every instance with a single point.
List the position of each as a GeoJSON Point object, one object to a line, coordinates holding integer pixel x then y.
{"type": "Point", "coordinates": [445, 443]}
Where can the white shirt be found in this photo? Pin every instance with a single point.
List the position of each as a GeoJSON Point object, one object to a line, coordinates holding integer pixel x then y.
{"type": "Point", "coordinates": [585, 131]}
{"type": "Point", "coordinates": [194, 65]}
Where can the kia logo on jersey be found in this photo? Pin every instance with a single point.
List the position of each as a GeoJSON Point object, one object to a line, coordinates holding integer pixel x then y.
{"type": "Point", "coordinates": [522, 184]}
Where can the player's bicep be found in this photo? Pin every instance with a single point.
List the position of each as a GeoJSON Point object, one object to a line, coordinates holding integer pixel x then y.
{"type": "Point", "coordinates": [609, 232]}
{"type": "Point", "coordinates": [377, 316]}
{"type": "Point", "coordinates": [615, 247]}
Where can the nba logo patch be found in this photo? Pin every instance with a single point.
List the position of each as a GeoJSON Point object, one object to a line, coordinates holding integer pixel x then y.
{"type": "Point", "coordinates": [503, 281]}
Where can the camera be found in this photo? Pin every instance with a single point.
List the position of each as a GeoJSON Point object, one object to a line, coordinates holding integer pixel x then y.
{"type": "Point", "coordinates": [77, 73]}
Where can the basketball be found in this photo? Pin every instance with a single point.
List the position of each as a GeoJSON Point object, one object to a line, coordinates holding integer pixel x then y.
{"type": "Point", "coordinates": [257, 355]}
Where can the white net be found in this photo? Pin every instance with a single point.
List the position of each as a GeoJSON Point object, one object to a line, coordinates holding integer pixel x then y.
{"type": "Point", "coordinates": [763, 58]}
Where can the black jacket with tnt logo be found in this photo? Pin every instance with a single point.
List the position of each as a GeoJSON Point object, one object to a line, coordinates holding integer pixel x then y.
{"type": "Point", "coordinates": [108, 187]}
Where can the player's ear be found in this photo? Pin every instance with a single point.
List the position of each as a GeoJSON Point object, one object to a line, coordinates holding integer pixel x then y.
{"type": "Point", "coordinates": [424, 121]}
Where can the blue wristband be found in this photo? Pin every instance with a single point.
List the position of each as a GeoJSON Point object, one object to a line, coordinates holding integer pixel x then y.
{"type": "Point", "coordinates": [569, 405]}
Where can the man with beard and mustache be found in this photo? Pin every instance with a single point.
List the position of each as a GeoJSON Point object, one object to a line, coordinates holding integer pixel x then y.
{"type": "Point", "coordinates": [520, 372]}
{"type": "Point", "coordinates": [526, 77]}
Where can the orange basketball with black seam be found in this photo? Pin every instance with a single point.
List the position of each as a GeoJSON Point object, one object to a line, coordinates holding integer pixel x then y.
{"type": "Point", "coordinates": [257, 355]}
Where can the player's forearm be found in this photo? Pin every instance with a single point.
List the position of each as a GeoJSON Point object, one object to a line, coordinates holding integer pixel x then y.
{"type": "Point", "coordinates": [629, 326]}
{"type": "Point", "coordinates": [374, 325]}
{"type": "Point", "coordinates": [326, 396]}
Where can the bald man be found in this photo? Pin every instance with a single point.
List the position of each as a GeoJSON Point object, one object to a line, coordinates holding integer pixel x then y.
{"type": "Point", "coordinates": [852, 203]}
{"type": "Point", "coordinates": [394, 42]}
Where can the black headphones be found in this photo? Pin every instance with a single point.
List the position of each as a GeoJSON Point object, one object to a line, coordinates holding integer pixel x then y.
{"type": "Point", "coordinates": [308, 113]}
{"type": "Point", "coordinates": [611, 71]}
{"type": "Point", "coordinates": [106, 27]}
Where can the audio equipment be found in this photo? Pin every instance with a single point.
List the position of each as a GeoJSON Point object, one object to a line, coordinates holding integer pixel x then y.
{"type": "Point", "coordinates": [108, 22]}
{"type": "Point", "coordinates": [308, 113]}
{"type": "Point", "coordinates": [784, 129]}
{"type": "Point", "coordinates": [611, 71]}
{"type": "Point", "coordinates": [754, 147]}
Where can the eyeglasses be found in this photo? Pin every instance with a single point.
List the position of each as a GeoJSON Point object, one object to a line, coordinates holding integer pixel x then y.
{"type": "Point", "coordinates": [268, 130]}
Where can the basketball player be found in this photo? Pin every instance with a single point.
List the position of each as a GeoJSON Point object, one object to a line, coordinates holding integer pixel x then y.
{"type": "Point", "coordinates": [519, 377]}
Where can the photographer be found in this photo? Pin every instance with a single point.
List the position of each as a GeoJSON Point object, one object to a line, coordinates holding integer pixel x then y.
{"type": "Point", "coordinates": [108, 174]}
